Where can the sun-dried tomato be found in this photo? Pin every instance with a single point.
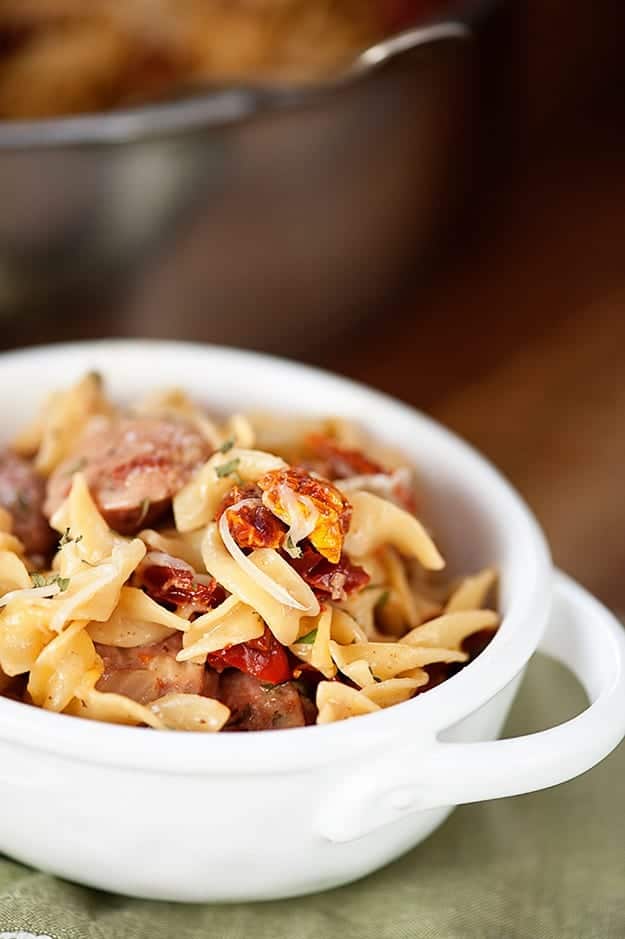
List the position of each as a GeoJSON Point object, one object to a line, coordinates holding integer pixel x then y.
{"type": "Point", "coordinates": [342, 462]}
{"type": "Point", "coordinates": [254, 526]}
{"type": "Point", "coordinates": [298, 498]}
{"type": "Point", "coordinates": [251, 526]}
{"type": "Point", "coordinates": [335, 580]}
{"type": "Point", "coordinates": [177, 588]}
{"type": "Point", "coordinates": [264, 658]}
{"type": "Point", "coordinates": [237, 494]}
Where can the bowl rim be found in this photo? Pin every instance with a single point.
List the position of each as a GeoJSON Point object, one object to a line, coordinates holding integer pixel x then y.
{"type": "Point", "coordinates": [421, 718]}
{"type": "Point", "coordinates": [219, 105]}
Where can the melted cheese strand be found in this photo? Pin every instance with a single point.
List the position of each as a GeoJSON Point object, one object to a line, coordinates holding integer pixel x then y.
{"type": "Point", "coordinates": [45, 592]}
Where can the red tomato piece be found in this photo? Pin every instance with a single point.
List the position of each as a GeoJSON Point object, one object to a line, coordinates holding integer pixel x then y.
{"type": "Point", "coordinates": [264, 658]}
{"type": "Point", "coordinates": [237, 494]}
{"type": "Point", "coordinates": [335, 580]}
{"type": "Point", "coordinates": [301, 490]}
{"type": "Point", "coordinates": [176, 586]}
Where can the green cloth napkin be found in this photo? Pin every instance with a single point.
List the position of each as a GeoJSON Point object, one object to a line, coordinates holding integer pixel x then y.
{"type": "Point", "coordinates": [545, 866]}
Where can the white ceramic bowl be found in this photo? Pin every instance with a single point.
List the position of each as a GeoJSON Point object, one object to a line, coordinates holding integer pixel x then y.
{"type": "Point", "coordinates": [282, 813]}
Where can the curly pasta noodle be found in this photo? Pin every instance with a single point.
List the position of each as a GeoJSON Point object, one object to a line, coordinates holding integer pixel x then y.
{"type": "Point", "coordinates": [268, 589]}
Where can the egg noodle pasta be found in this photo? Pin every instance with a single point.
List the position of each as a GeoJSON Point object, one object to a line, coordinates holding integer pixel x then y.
{"type": "Point", "coordinates": [198, 581]}
{"type": "Point", "coordinates": [187, 546]}
{"type": "Point", "coordinates": [137, 620]}
{"type": "Point", "coordinates": [472, 592]}
{"type": "Point", "coordinates": [237, 625]}
{"type": "Point", "coordinates": [450, 630]}
{"type": "Point", "coordinates": [195, 505]}
{"type": "Point", "coordinates": [63, 417]}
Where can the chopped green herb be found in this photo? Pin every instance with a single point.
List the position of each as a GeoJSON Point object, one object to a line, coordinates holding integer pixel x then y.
{"type": "Point", "coordinates": [308, 639]}
{"type": "Point", "coordinates": [227, 445]}
{"type": "Point", "coordinates": [40, 580]}
{"type": "Point", "coordinates": [66, 538]}
{"type": "Point", "coordinates": [291, 548]}
{"type": "Point", "coordinates": [227, 469]}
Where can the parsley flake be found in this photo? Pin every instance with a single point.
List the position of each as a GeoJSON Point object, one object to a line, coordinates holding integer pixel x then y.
{"type": "Point", "coordinates": [226, 446]}
{"type": "Point", "coordinates": [40, 580]}
{"type": "Point", "coordinates": [66, 538]}
{"type": "Point", "coordinates": [227, 469]}
{"type": "Point", "coordinates": [291, 548]}
{"type": "Point", "coordinates": [308, 639]}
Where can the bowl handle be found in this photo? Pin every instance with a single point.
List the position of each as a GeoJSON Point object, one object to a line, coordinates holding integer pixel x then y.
{"type": "Point", "coordinates": [584, 636]}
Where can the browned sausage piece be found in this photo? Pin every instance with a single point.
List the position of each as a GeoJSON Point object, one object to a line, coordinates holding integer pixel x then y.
{"type": "Point", "coordinates": [22, 493]}
{"type": "Point", "coordinates": [133, 467]}
{"type": "Point", "coordinates": [146, 673]}
{"type": "Point", "coordinates": [254, 706]}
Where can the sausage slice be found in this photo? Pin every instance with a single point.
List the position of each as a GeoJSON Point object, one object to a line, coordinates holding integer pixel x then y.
{"type": "Point", "coordinates": [133, 467]}
{"type": "Point", "coordinates": [146, 673]}
{"type": "Point", "coordinates": [22, 493]}
{"type": "Point", "coordinates": [254, 706]}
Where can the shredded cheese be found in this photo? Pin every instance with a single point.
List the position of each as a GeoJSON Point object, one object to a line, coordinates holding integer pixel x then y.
{"type": "Point", "coordinates": [263, 580]}
{"type": "Point", "coordinates": [50, 590]}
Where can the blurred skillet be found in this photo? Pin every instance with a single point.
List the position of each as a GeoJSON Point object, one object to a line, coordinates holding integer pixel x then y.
{"type": "Point", "coordinates": [269, 217]}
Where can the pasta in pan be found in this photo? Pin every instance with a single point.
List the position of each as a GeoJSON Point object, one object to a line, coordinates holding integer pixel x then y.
{"type": "Point", "coordinates": [202, 582]}
{"type": "Point", "coordinates": [77, 56]}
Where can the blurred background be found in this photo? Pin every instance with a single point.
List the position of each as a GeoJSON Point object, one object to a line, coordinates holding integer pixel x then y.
{"type": "Point", "coordinates": [505, 320]}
